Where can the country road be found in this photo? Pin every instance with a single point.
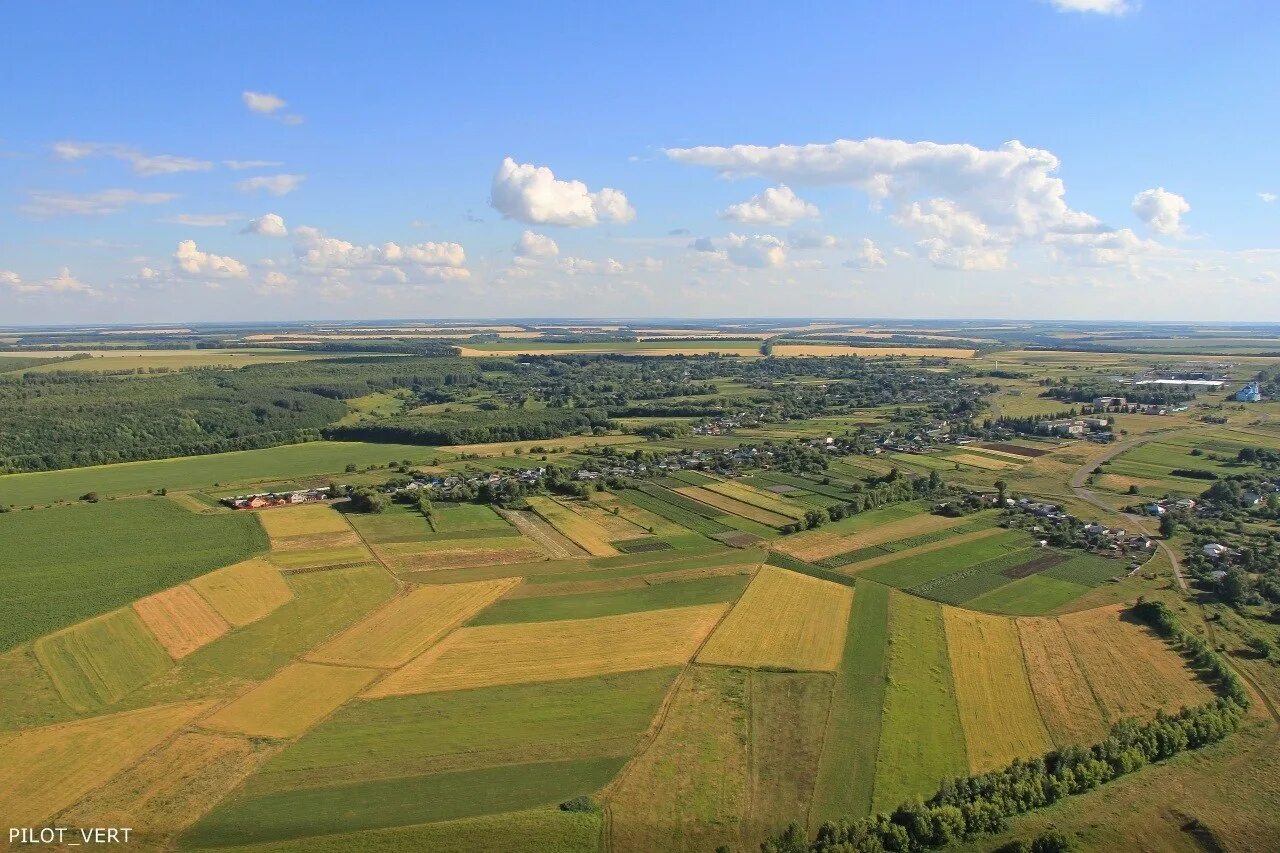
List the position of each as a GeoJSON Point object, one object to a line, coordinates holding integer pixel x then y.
{"type": "Point", "coordinates": [1081, 476]}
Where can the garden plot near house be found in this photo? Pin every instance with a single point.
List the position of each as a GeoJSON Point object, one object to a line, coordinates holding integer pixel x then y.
{"type": "Point", "coordinates": [785, 620]}
{"type": "Point", "coordinates": [549, 651]}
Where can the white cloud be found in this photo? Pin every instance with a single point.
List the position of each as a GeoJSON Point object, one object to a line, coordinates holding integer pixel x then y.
{"type": "Point", "coordinates": [1116, 247]}
{"type": "Point", "coordinates": [269, 105]}
{"type": "Point", "coordinates": [241, 165]}
{"type": "Point", "coordinates": [1100, 7]}
{"type": "Point", "coordinates": [275, 184]}
{"type": "Point", "coordinates": [1266, 278]}
{"type": "Point", "coordinates": [318, 253]}
{"type": "Point", "coordinates": [143, 164]}
{"type": "Point", "coordinates": [969, 206]}
{"type": "Point", "coordinates": [43, 204]}
{"type": "Point", "coordinates": [534, 195]}
{"type": "Point", "coordinates": [1161, 210]}
{"type": "Point", "coordinates": [757, 250]}
{"type": "Point", "coordinates": [63, 282]}
{"type": "Point", "coordinates": [868, 257]}
{"type": "Point", "coordinates": [188, 260]}
{"type": "Point", "coordinates": [531, 245]}
{"type": "Point", "coordinates": [811, 240]}
{"type": "Point", "coordinates": [1268, 197]}
{"type": "Point", "coordinates": [205, 220]}
{"type": "Point", "coordinates": [267, 225]}
{"type": "Point", "coordinates": [276, 284]}
{"type": "Point", "coordinates": [774, 206]}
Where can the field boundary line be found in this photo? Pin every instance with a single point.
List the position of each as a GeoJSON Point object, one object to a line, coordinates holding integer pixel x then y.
{"type": "Point", "coordinates": [400, 583]}
{"type": "Point", "coordinates": [1075, 653]}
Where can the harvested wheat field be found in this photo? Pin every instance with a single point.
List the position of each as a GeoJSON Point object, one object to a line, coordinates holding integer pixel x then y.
{"type": "Point", "coordinates": [458, 553]}
{"type": "Point", "coordinates": [583, 532]}
{"type": "Point", "coordinates": [172, 787]}
{"type": "Point", "coordinates": [999, 715]}
{"type": "Point", "coordinates": [784, 619]}
{"type": "Point", "coordinates": [755, 497]}
{"type": "Point", "coordinates": [404, 627]}
{"type": "Point", "coordinates": [307, 520]}
{"type": "Point", "coordinates": [817, 545]}
{"type": "Point", "coordinates": [42, 771]}
{"type": "Point", "coordinates": [552, 651]}
{"type": "Point", "coordinates": [245, 592]}
{"type": "Point", "coordinates": [291, 701]}
{"type": "Point", "coordinates": [733, 506]}
{"type": "Point", "coordinates": [977, 461]}
{"type": "Point", "coordinates": [315, 541]}
{"type": "Point", "coordinates": [1066, 703]}
{"type": "Point", "coordinates": [181, 620]}
{"type": "Point", "coordinates": [1132, 672]}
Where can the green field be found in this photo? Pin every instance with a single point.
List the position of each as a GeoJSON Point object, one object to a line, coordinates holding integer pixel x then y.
{"type": "Point", "coordinates": [587, 605]}
{"type": "Point", "coordinates": [847, 770]}
{"type": "Point", "coordinates": [659, 502]}
{"type": "Point", "coordinates": [1031, 596]}
{"type": "Point", "coordinates": [273, 464]}
{"type": "Point", "coordinates": [914, 570]}
{"type": "Point", "coordinates": [922, 741]}
{"type": "Point", "coordinates": [97, 663]}
{"type": "Point", "coordinates": [59, 566]}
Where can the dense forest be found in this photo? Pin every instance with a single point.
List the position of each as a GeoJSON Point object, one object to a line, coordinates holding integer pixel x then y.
{"type": "Point", "coordinates": [475, 427]}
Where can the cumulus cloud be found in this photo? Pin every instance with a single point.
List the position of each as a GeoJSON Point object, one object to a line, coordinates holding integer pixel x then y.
{"type": "Point", "coordinates": [775, 206]}
{"type": "Point", "coordinates": [759, 251]}
{"type": "Point", "coordinates": [269, 105]}
{"type": "Point", "coordinates": [45, 204]}
{"type": "Point", "coordinates": [1161, 210]}
{"type": "Point", "coordinates": [62, 283]}
{"type": "Point", "coordinates": [391, 262]}
{"type": "Point", "coordinates": [531, 245]}
{"type": "Point", "coordinates": [267, 225]}
{"type": "Point", "coordinates": [813, 240]}
{"type": "Point", "coordinates": [241, 165]}
{"type": "Point", "coordinates": [205, 220]}
{"type": "Point", "coordinates": [1268, 197]}
{"type": "Point", "coordinates": [534, 195]}
{"type": "Point", "coordinates": [1116, 247]}
{"type": "Point", "coordinates": [189, 261]}
{"type": "Point", "coordinates": [275, 283]}
{"type": "Point", "coordinates": [969, 206]}
{"type": "Point", "coordinates": [1099, 7]}
{"type": "Point", "coordinates": [277, 185]}
{"type": "Point", "coordinates": [867, 257]}
{"type": "Point", "coordinates": [143, 164]}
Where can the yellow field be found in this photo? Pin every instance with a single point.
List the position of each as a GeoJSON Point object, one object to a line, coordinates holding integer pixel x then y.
{"type": "Point", "coordinates": [1000, 718]}
{"type": "Point", "coordinates": [291, 701]}
{"type": "Point", "coordinates": [317, 541]}
{"type": "Point", "coordinates": [305, 520]}
{"type": "Point", "coordinates": [42, 771]}
{"type": "Point", "coordinates": [458, 556]}
{"type": "Point", "coordinates": [552, 651]}
{"type": "Point", "coordinates": [551, 445]}
{"type": "Point", "coordinates": [1132, 672]}
{"type": "Point", "coordinates": [245, 592]}
{"type": "Point", "coordinates": [871, 352]}
{"type": "Point", "coordinates": [784, 619]}
{"type": "Point", "coordinates": [96, 663]}
{"type": "Point", "coordinates": [181, 620]}
{"type": "Point", "coordinates": [976, 461]}
{"type": "Point", "coordinates": [755, 497]}
{"type": "Point", "coordinates": [734, 507]}
{"type": "Point", "coordinates": [172, 787]}
{"type": "Point", "coordinates": [586, 534]}
{"type": "Point", "coordinates": [616, 527]}
{"type": "Point", "coordinates": [122, 359]}
{"type": "Point", "coordinates": [1062, 693]}
{"type": "Point", "coordinates": [817, 545]}
{"type": "Point", "coordinates": [403, 628]}
{"type": "Point", "coordinates": [641, 518]}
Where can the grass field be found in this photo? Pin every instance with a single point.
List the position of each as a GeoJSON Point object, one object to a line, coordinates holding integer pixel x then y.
{"type": "Point", "coordinates": [181, 620]}
{"type": "Point", "coordinates": [784, 620]}
{"type": "Point", "coordinates": [60, 566]}
{"type": "Point", "coordinates": [756, 497]}
{"type": "Point", "coordinates": [291, 701]}
{"type": "Point", "coordinates": [848, 766]}
{"type": "Point", "coordinates": [306, 520]}
{"type": "Point", "coordinates": [1028, 596]}
{"type": "Point", "coordinates": [45, 770]}
{"type": "Point", "coordinates": [611, 602]}
{"type": "Point", "coordinates": [396, 633]}
{"type": "Point", "coordinates": [698, 517]}
{"type": "Point", "coordinates": [244, 593]}
{"type": "Point", "coordinates": [1071, 715]}
{"type": "Point", "coordinates": [922, 738]}
{"type": "Point", "coordinates": [583, 532]}
{"type": "Point", "coordinates": [435, 554]}
{"type": "Point", "coordinates": [179, 359]}
{"type": "Point", "coordinates": [550, 651]}
{"type": "Point", "coordinates": [288, 462]}
{"type": "Point", "coordinates": [816, 545]}
{"type": "Point", "coordinates": [1000, 717]}
{"type": "Point", "coordinates": [913, 570]}
{"type": "Point", "coordinates": [97, 663]}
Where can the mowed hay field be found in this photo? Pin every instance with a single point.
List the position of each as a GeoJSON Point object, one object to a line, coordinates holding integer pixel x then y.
{"type": "Point", "coordinates": [1133, 673]}
{"type": "Point", "coordinates": [550, 651]}
{"type": "Point", "coordinates": [402, 629]}
{"type": "Point", "coordinates": [181, 620]}
{"type": "Point", "coordinates": [171, 787]}
{"type": "Point", "coordinates": [307, 526]}
{"type": "Point", "coordinates": [1000, 718]}
{"type": "Point", "coordinates": [1066, 702]}
{"type": "Point", "coordinates": [97, 663]}
{"type": "Point", "coordinates": [291, 701]}
{"type": "Point", "coordinates": [733, 506]}
{"type": "Point", "coordinates": [44, 770]}
{"type": "Point", "coordinates": [583, 532]}
{"type": "Point", "coordinates": [432, 555]}
{"type": "Point", "coordinates": [244, 593]}
{"type": "Point", "coordinates": [818, 545]}
{"type": "Point", "coordinates": [756, 497]}
{"type": "Point", "coordinates": [784, 619]}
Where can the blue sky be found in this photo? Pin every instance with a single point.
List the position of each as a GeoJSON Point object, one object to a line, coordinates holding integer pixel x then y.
{"type": "Point", "coordinates": [138, 141]}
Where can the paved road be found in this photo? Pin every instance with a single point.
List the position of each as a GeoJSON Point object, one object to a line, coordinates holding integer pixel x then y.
{"type": "Point", "coordinates": [1081, 491]}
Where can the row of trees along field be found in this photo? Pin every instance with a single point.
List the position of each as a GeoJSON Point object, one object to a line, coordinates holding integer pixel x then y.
{"type": "Point", "coordinates": [969, 806]}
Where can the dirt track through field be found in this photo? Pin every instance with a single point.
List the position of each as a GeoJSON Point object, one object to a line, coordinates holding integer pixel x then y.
{"type": "Point", "coordinates": [543, 534]}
